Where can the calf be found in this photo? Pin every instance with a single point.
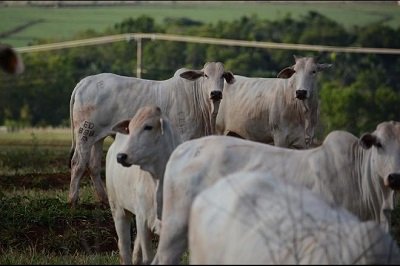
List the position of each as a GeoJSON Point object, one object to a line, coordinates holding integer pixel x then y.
{"type": "Point", "coordinates": [144, 142]}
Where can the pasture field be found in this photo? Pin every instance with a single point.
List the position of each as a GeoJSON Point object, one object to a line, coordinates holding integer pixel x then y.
{"type": "Point", "coordinates": [20, 25]}
{"type": "Point", "coordinates": [36, 224]}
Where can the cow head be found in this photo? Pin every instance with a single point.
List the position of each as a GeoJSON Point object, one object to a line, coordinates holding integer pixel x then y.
{"type": "Point", "coordinates": [385, 158]}
{"type": "Point", "coordinates": [306, 69]}
{"type": "Point", "coordinates": [214, 75]}
{"type": "Point", "coordinates": [10, 61]}
{"type": "Point", "coordinates": [145, 131]}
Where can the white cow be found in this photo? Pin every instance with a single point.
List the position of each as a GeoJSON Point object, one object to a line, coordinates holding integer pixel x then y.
{"type": "Point", "coordinates": [283, 111]}
{"type": "Point", "coordinates": [255, 218]}
{"type": "Point", "coordinates": [147, 140]}
{"type": "Point", "coordinates": [190, 98]}
{"type": "Point", "coordinates": [10, 61]}
{"type": "Point", "coordinates": [357, 174]}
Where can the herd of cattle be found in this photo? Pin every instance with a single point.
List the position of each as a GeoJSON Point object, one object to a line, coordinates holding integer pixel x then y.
{"type": "Point", "coordinates": [192, 162]}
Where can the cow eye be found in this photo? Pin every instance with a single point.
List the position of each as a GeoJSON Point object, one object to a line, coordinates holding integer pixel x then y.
{"type": "Point", "coordinates": [378, 145]}
{"type": "Point", "coordinates": [314, 72]}
{"type": "Point", "coordinates": [206, 76]}
{"type": "Point", "coordinates": [147, 127]}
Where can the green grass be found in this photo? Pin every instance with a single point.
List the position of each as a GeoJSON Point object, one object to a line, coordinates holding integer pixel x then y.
{"type": "Point", "coordinates": [38, 227]}
{"type": "Point", "coordinates": [62, 23]}
{"type": "Point", "coordinates": [31, 256]}
{"type": "Point", "coordinates": [36, 224]}
{"type": "Point", "coordinates": [50, 137]}
{"type": "Point", "coordinates": [61, 137]}
{"type": "Point", "coordinates": [37, 151]}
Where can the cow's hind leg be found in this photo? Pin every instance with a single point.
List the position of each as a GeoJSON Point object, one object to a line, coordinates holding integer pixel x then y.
{"type": "Point", "coordinates": [95, 171]}
{"type": "Point", "coordinates": [78, 166]}
{"type": "Point", "coordinates": [174, 230]}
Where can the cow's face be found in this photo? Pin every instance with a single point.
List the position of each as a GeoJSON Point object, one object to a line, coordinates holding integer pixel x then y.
{"type": "Point", "coordinates": [144, 131]}
{"type": "Point", "coordinates": [306, 69]}
{"type": "Point", "coordinates": [213, 74]}
{"type": "Point", "coordinates": [385, 142]}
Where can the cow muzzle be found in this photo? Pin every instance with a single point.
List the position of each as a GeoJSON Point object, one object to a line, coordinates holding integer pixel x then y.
{"type": "Point", "coordinates": [393, 181]}
{"type": "Point", "coordinates": [216, 95]}
{"type": "Point", "coordinates": [301, 94]}
{"type": "Point", "coordinates": [121, 158]}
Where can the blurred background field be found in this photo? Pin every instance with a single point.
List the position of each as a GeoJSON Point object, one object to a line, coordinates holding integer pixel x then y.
{"type": "Point", "coordinates": [56, 21]}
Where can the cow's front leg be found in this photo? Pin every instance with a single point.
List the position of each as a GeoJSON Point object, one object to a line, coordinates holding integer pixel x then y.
{"type": "Point", "coordinates": [385, 219]}
{"type": "Point", "coordinates": [122, 222]}
{"type": "Point", "coordinates": [280, 139]}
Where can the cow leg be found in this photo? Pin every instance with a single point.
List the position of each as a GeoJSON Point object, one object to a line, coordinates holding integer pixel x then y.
{"type": "Point", "coordinates": [78, 166]}
{"type": "Point", "coordinates": [280, 140]}
{"type": "Point", "coordinates": [122, 222]}
{"type": "Point", "coordinates": [95, 171]}
{"type": "Point", "coordinates": [173, 236]}
{"type": "Point", "coordinates": [144, 239]}
{"type": "Point", "coordinates": [137, 252]}
{"type": "Point", "coordinates": [385, 219]}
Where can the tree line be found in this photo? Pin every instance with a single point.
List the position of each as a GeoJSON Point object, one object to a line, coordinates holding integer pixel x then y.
{"type": "Point", "coordinates": [360, 91]}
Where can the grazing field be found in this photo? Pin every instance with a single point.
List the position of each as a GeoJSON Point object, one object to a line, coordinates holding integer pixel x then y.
{"type": "Point", "coordinates": [20, 25]}
{"type": "Point", "coordinates": [36, 224]}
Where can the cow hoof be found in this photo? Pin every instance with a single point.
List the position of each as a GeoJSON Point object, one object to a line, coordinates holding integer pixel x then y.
{"type": "Point", "coordinates": [72, 205]}
{"type": "Point", "coordinates": [104, 205]}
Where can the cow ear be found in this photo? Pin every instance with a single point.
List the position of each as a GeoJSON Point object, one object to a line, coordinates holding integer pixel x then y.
{"type": "Point", "coordinates": [192, 74]}
{"type": "Point", "coordinates": [286, 73]}
{"type": "Point", "coordinates": [321, 67]}
{"type": "Point", "coordinates": [122, 127]}
{"type": "Point", "coordinates": [367, 140]}
{"type": "Point", "coordinates": [229, 77]}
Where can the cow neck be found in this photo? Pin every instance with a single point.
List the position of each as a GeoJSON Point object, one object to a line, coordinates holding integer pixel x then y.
{"type": "Point", "coordinates": [180, 92]}
{"type": "Point", "coordinates": [311, 117]}
{"type": "Point", "coordinates": [171, 139]}
{"type": "Point", "coordinates": [370, 187]}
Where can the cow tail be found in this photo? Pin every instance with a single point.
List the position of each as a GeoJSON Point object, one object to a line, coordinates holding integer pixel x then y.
{"type": "Point", "coordinates": [71, 106]}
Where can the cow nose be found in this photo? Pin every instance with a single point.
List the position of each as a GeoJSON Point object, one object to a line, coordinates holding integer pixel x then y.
{"type": "Point", "coordinates": [394, 181]}
{"type": "Point", "coordinates": [216, 95]}
{"type": "Point", "coordinates": [301, 94]}
{"type": "Point", "coordinates": [121, 158]}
